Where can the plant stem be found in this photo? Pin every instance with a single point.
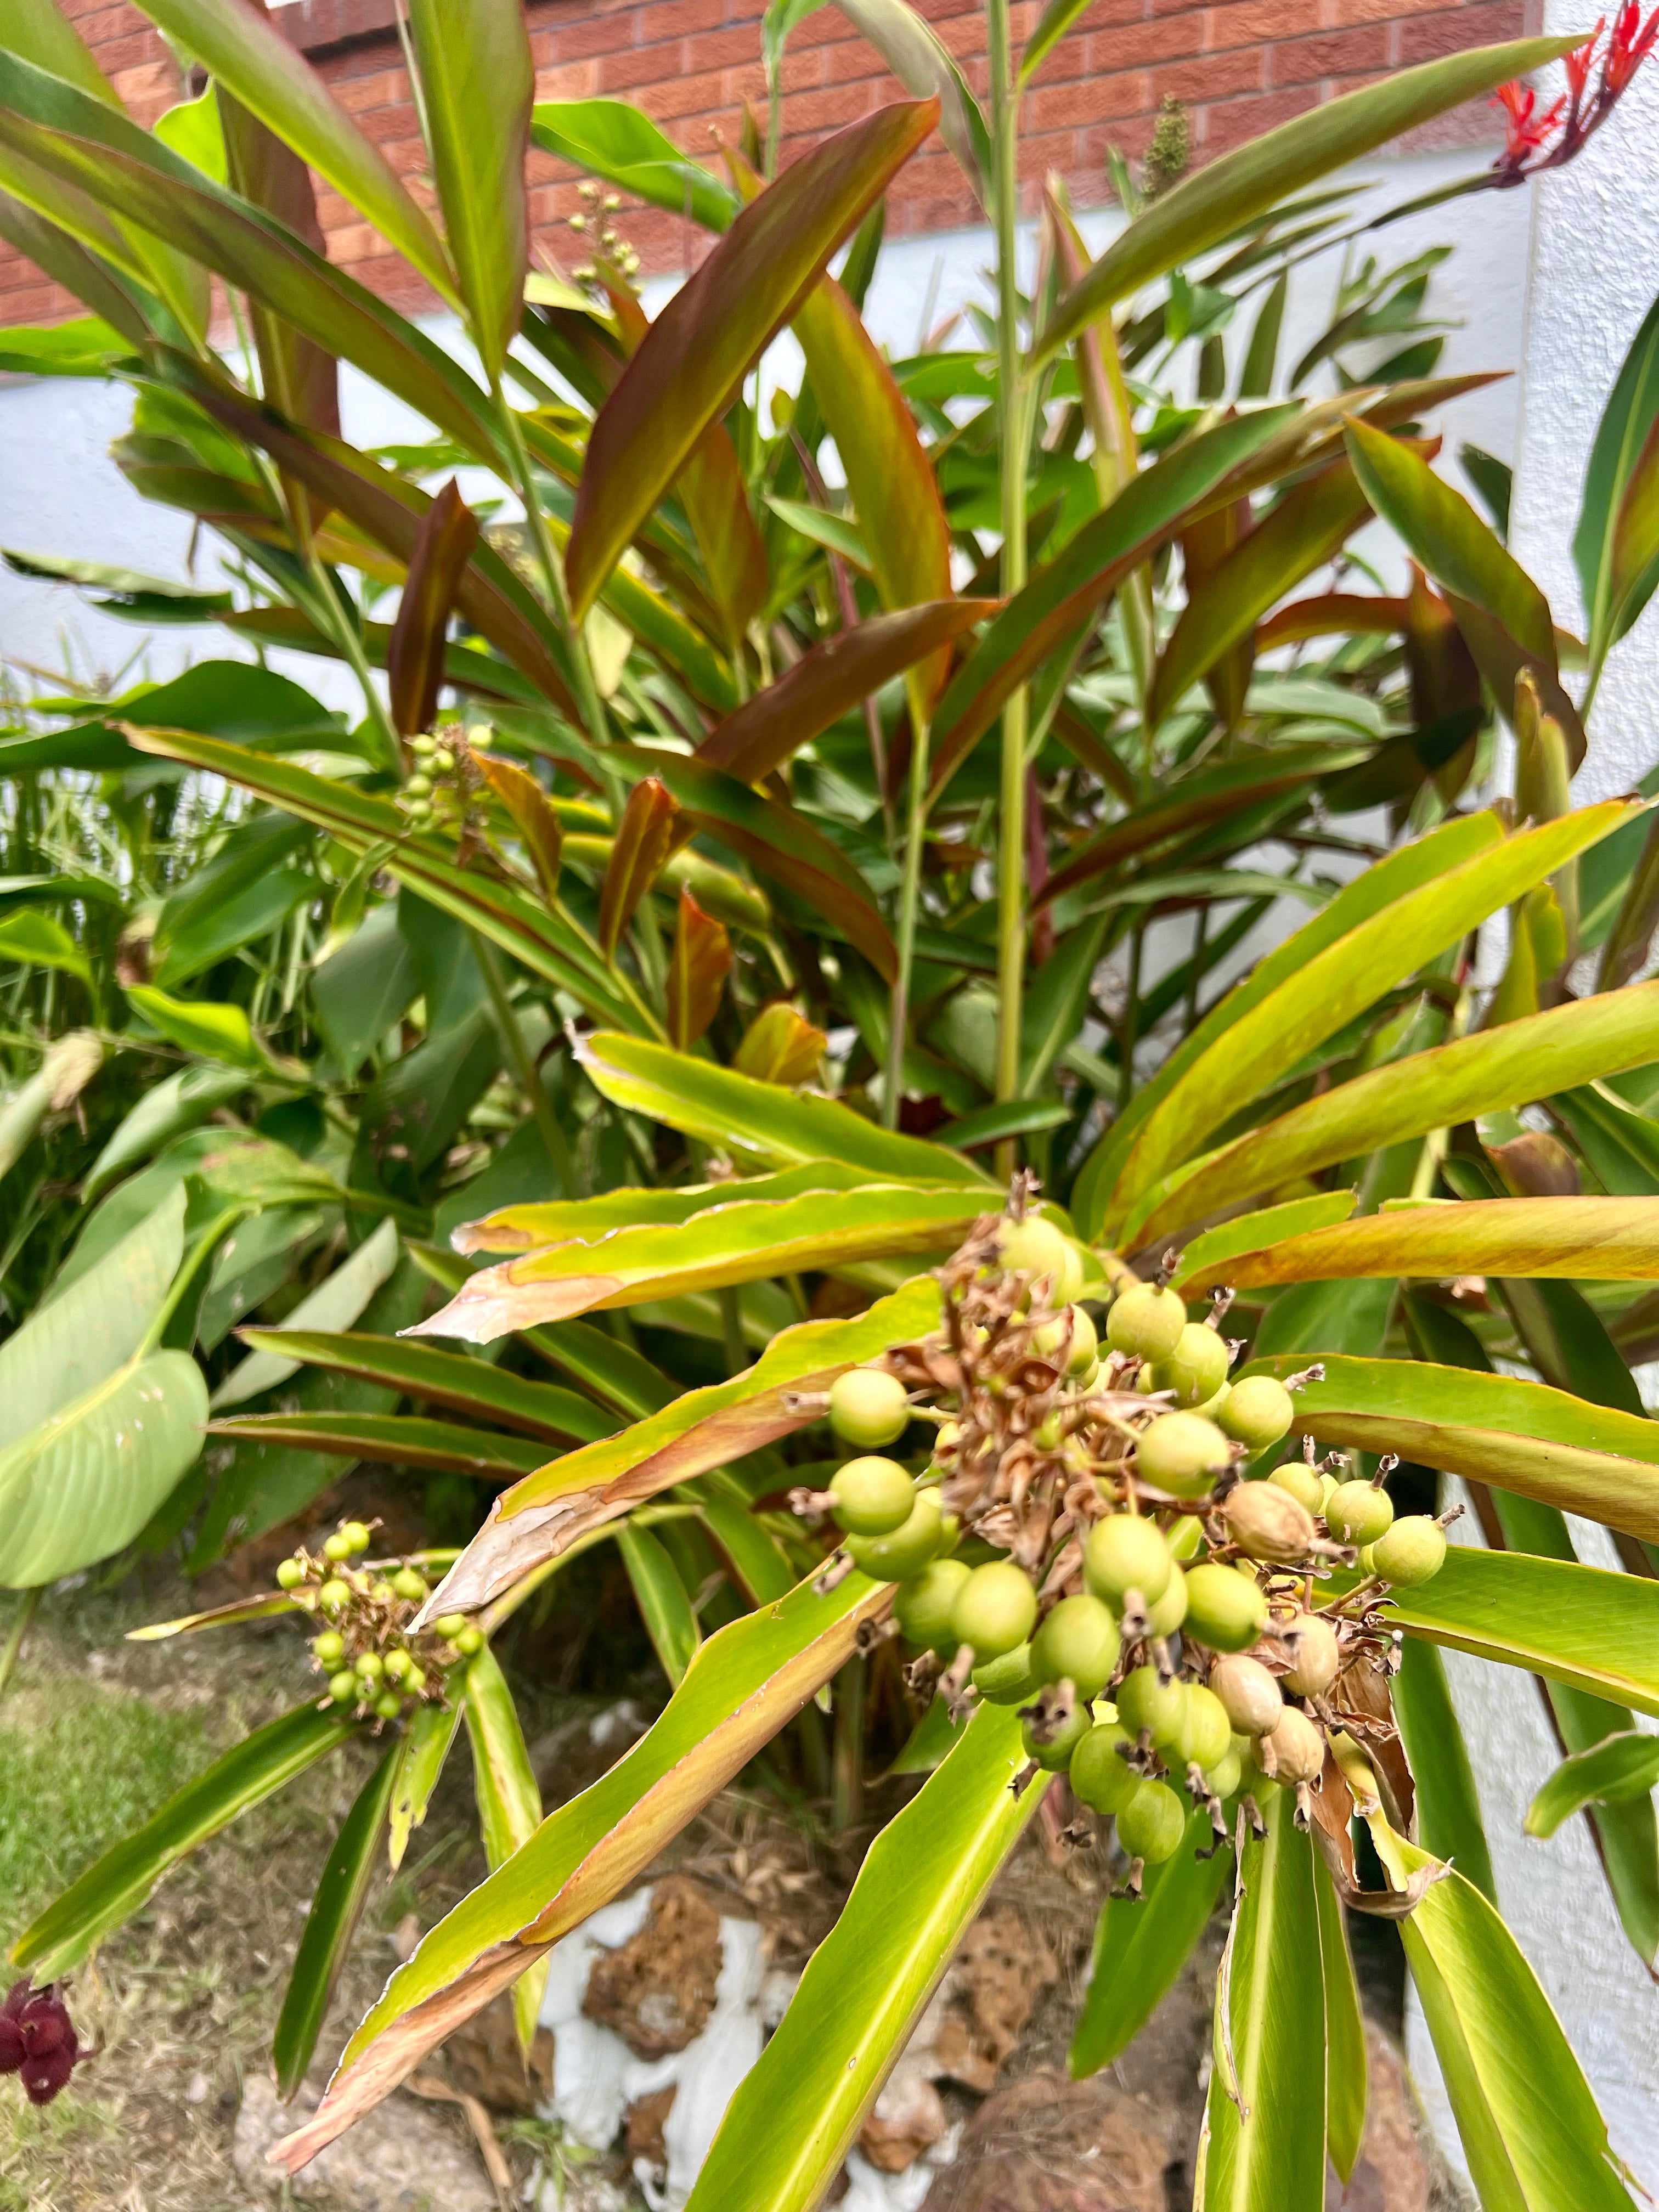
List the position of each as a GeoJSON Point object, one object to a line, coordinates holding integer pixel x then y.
{"type": "Point", "coordinates": [1012, 428]}
{"type": "Point", "coordinates": [847, 1790]}
{"type": "Point", "coordinates": [588, 697]}
{"type": "Point", "coordinates": [529, 1075]}
{"type": "Point", "coordinates": [915, 830]}
{"type": "Point", "coordinates": [1127, 1034]}
{"type": "Point", "coordinates": [21, 1619]}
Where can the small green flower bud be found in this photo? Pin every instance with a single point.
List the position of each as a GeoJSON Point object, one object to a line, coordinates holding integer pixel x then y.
{"type": "Point", "coordinates": [868, 1408]}
{"type": "Point", "coordinates": [443, 760]}
{"type": "Point", "coordinates": [1226, 1776]}
{"type": "Point", "coordinates": [290, 1573]}
{"type": "Point", "coordinates": [422, 747]}
{"type": "Point", "coordinates": [1166, 1614]}
{"type": "Point", "coordinates": [414, 1683]}
{"type": "Point", "coordinates": [1084, 1343]}
{"type": "Point", "coordinates": [381, 1591]}
{"type": "Point", "coordinates": [370, 1666]}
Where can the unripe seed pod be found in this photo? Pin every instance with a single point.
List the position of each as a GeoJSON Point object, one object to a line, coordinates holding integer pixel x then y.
{"type": "Point", "coordinates": [388, 1704]}
{"type": "Point", "coordinates": [904, 1553]}
{"type": "Point", "coordinates": [1225, 1777]}
{"type": "Point", "coordinates": [1414, 1551]}
{"type": "Point", "coordinates": [357, 1536]}
{"type": "Point", "coordinates": [1145, 1322]}
{"type": "Point", "coordinates": [1186, 1539]}
{"type": "Point", "coordinates": [1089, 1375]}
{"type": "Point", "coordinates": [450, 1624]}
{"type": "Point", "coordinates": [868, 1408]}
{"type": "Point", "coordinates": [1007, 1681]}
{"type": "Point", "coordinates": [1165, 1614]}
{"type": "Point", "coordinates": [344, 1688]}
{"type": "Point", "coordinates": [1152, 1823]}
{"type": "Point", "coordinates": [1037, 1247]}
{"type": "Point", "coordinates": [334, 1594]}
{"type": "Point", "coordinates": [423, 747]}
{"type": "Point", "coordinates": [329, 1648]}
{"type": "Point", "coordinates": [408, 1582]}
{"type": "Point", "coordinates": [923, 1606]}
{"type": "Point", "coordinates": [1250, 1695]}
{"type": "Point", "coordinates": [1126, 1552]}
{"type": "Point", "coordinates": [1086, 1344]}
{"type": "Point", "coordinates": [1295, 1751]}
{"type": "Point", "coordinates": [1054, 1755]}
{"type": "Point", "coordinates": [1368, 1560]}
{"type": "Point", "coordinates": [418, 787]}
{"type": "Point", "coordinates": [1182, 1454]}
{"type": "Point", "coordinates": [370, 1666]}
{"type": "Point", "coordinates": [1302, 1483]}
{"type": "Point", "coordinates": [1068, 1284]}
{"type": "Point", "coordinates": [1318, 1657]}
{"type": "Point", "coordinates": [398, 1663]}
{"type": "Point", "coordinates": [1211, 1409]}
{"type": "Point", "coordinates": [335, 1546]}
{"type": "Point", "coordinates": [1077, 1642]}
{"type": "Point", "coordinates": [1356, 1513]}
{"type": "Point", "coordinates": [1260, 1411]}
{"type": "Point", "coordinates": [1225, 1609]}
{"type": "Point", "coordinates": [1100, 1779]}
{"type": "Point", "coordinates": [442, 759]}
{"type": "Point", "coordinates": [1197, 1368]}
{"type": "Point", "coordinates": [872, 1497]}
{"type": "Point", "coordinates": [470, 1640]}
{"type": "Point", "coordinates": [1267, 1522]}
{"type": "Point", "coordinates": [414, 1682]}
{"type": "Point", "coordinates": [1206, 1734]}
{"type": "Point", "coordinates": [290, 1573]}
{"type": "Point", "coordinates": [1051, 1431]}
{"type": "Point", "coordinates": [381, 1591]}
{"type": "Point", "coordinates": [995, 1609]}
{"type": "Point", "coordinates": [1145, 1702]}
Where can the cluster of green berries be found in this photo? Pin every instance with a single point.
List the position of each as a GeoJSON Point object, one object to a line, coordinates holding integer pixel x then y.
{"type": "Point", "coordinates": [371, 1662]}
{"type": "Point", "coordinates": [436, 776]}
{"type": "Point", "coordinates": [1152, 1613]}
{"type": "Point", "coordinates": [609, 245]}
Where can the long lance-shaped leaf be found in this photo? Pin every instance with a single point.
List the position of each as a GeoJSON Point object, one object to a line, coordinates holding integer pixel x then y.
{"type": "Point", "coordinates": [1264, 2128]}
{"type": "Point", "coordinates": [443, 1378]}
{"type": "Point", "coordinates": [759, 1119]}
{"type": "Point", "coordinates": [84, 274]}
{"type": "Point", "coordinates": [1148, 511]}
{"type": "Point", "coordinates": [833, 677]}
{"type": "Point", "coordinates": [399, 1439]}
{"type": "Point", "coordinates": [527, 1228]}
{"type": "Point", "coordinates": [925, 65]}
{"type": "Point", "coordinates": [744, 1241]}
{"type": "Point", "coordinates": [116, 1884]}
{"type": "Point", "coordinates": [1096, 1196]}
{"type": "Point", "coordinates": [137, 177]}
{"type": "Point", "coordinates": [531, 814]}
{"type": "Point", "coordinates": [1250, 1232]}
{"type": "Point", "coordinates": [745, 1683]}
{"type": "Point", "coordinates": [698, 966]}
{"type": "Point", "coordinates": [341, 1890]}
{"type": "Point", "coordinates": [1513, 1064]}
{"type": "Point", "coordinates": [1225, 194]}
{"type": "Point", "coordinates": [1447, 1801]}
{"type": "Point", "coordinates": [1621, 440]}
{"type": "Point", "coordinates": [421, 1756]}
{"type": "Point", "coordinates": [1306, 529]}
{"type": "Point", "coordinates": [1341, 979]}
{"type": "Point", "coordinates": [796, 2114]}
{"type": "Point", "coordinates": [541, 1517]}
{"type": "Point", "coordinates": [613, 139]}
{"type": "Point", "coordinates": [509, 1802]}
{"type": "Point", "coordinates": [242, 51]}
{"type": "Point", "coordinates": [1505, 617]}
{"type": "Point", "coordinates": [414, 655]}
{"type": "Point", "coordinates": [699, 350]}
{"type": "Point", "coordinates": [548, 943]}
{"type": "Point", "coordinates": [1533, 2139]}
{"type": "Point", "coordinates": [1614, 1772]}
{"type": "Point", "coordinates": [1141, 1946]}
{"type": "Point", "coordinates": [1347, 2066]}
{"type": "Point", "coordinates": [645, 836]}
{"type": "Point", "coordinates": [475, 64]}
{"type": "Point", "coordinates": [664, 1607]}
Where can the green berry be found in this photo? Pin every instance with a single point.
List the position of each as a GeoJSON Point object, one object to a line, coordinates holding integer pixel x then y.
{"type": "Point", "coordinates": [872, 1497]}
{"type": "Point", "coordinates": [357, 1536]}
{"type": "Point", "coordinates": [1085, 1343]}
{"type": "Point", "coordinates": [995, 1609]}
{"type": "Point", "coordinates": [408, 1582]}
{"type": "Point", "coordinates": [924, 1606]}
{"type": "Point", "coordinates": [1126, 1551]}
{"type": "Point", "coordinates": [469, 1641]}
{"type": "Point", "coordinates": [1100, 1779]}
{"type": "Point", "coordinates": [334, 1596]}
{"type": "Point", "coordinates": [1211, 1408]}
{"type": "Point", "coordinates": [336, 1546]}
{"type": "Point", "coordinates": [1300, 1481]}
{"type": "Point", "coordinates": [370, 1666]}
{"type": "Point", "coordinates": [418, 787]}
{"type": "Point", "coordinates": [1260, 1411]}
{"type": "Point", "coordinates": [1295, 1751]}
{"type": "Point", "coordinates": [1225, 1777]}
{"type": "Point", "coordinates": [290, 1573]}
{"type": "Point", "coordinates": [344, 1688]}
{"type": "Point", "coordinates": [1144, 1701]}
{"type": "Point", "coordinates": [388, 1704]}
{"type": "Point", "coordinates": [1145, 1322]}
{"type": "Point", "coordinates": [1052, 1750]}
{"type": "Point", "coordinates": [1077, 1642]}
{"type": "Point", "coordinates": [1414, 1551]}
{"type": "Point", "coordinates": [903, 1555]}
{"type": "Point", "coordinates": [414, 1682]}
{"type": "Point", "coordinates": [1317, 1657]}
{"type": "Point", "coordinates": [1206, 1734]}
{"type": "Point", "coordinates": [1166, 1614]}
{"type": "Point", "coordinates": [328, 1649]}
{"type": "Point", "coordinates": [443, 760]}
{"type": "Point", "coordinates": [1037, 1247]}
{"type": "Point", "coordinates": [1182, 1454]}
{"type": "Point", "coordinates": [868, 1408]}
{"type": "Point", "coordinates": [1225, 1609]}
{"type": "Point", "coordinates": [1152, 1823]}
{"type": "Point", "coordinates": [1358, 1513]}
{"type": "Point", "coordinates": [1250, 1695]}
{"type": "Point", "coordinates": [1368, 1560]}
{"type": "Point", "coordinates": [1007, 1681]}
{"type": "Point", "coordinates": [422, 747]}
{"type": "Point", "coordinates": [450, 1624]}
{"type": "Point", "coordinates": [1186, 1538]}
{"type": "Point", "coordinates": [1196, 1369]}
{"type": "Point", "coordinates": [398, 1663]}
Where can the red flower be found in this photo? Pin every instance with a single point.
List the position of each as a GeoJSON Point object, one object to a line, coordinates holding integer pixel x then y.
{"type": "Point", "coordinates": [1628, 47]}
{"type": "Point", "coordinates": [1578, 64]}
{"type": "Point", "coordinates": [38, 2040]}
{"type": "Point", "coordinates": [1528, 128]}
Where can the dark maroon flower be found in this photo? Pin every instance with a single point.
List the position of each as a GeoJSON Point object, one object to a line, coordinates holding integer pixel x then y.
{"type": "Point", "coordinates": [37, 2040]}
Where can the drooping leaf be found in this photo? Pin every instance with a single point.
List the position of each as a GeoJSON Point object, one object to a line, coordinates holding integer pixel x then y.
{"type": "Point", "coordinates": [509, 1802]}
{"type": "Point", "coordinates": [612, 139]}
{"type": "Point", "coordinates": [29, 938]}
{"type": "Point", "coordinates": [221, 1033]}
{"type": "Point", "coordinates": [425, 1746]}
{"type": "Point", "coordinates": [528, 1228]}
{"type": "Point", "coordinates": [1140, 1949]}
{"type": "Point", "coordinates": [399, 1439]}
{"type": "Point", "coordinates": [1448, 1802]}
{"type": "Point", "coordinates": [925, 66]}
{"type": "Point", "coordinates": [1614, 1771]}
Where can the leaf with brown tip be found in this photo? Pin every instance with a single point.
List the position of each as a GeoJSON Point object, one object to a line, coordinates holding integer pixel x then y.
{"type": "Point", "coordinates": [533, 816]}
{"type": "Point", "coordinates": [414, 653]}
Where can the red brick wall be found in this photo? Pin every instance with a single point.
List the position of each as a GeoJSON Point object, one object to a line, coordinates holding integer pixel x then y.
{"type": "Point", "coordinates": [1241, 66]}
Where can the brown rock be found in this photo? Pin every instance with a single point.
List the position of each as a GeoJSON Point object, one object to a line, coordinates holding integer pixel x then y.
{"type": "Point", "coordinates": [657, 1989]}
{"type": "Point", "coordinates": [908, 2119]}
{"type": "Point", "coordinates": [647, 2117]}
{"type": "Point", "coordinates": [1045, 2144]}
{"type": "Point", "coordinates": [1002, 1965]}
{"type": "Point", "coordinates": [485, 2060]}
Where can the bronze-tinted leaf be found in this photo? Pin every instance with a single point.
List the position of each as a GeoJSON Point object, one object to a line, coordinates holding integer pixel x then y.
{"type": "Point", "coordinates": [701, 962]}
{"type": "Point", "coordinates": [415, 656]}
{"type": "Point", "coordinates": [533, 818]}
{"type": "Point", "coordinates": [649, 830]}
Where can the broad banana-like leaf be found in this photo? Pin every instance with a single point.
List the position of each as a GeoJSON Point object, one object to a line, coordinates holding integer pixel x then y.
{"type": "Point", "coordinates": [1205, 208]}
{"type": "Point", "coordinates": [1141, 1946]}
{"type": "Point", "coordinates": [1448, 1802]}
{"type": "Point", "coordinates": [703, 1429]}
{"type": "Point", "coordinates": [117, 1885]}
{"type": "Point", "coordinates": [509, 1802]}
{"type": "Point", "coordinates": [528, 1228]}
{"type": "Point", "coordinates": [1263, 2148]}
{"type": "Point", "coordinates": [741, 1243]}
{"type": "Point", "coordinates": [761, 1120]}
{"type": "Point", "coordinates": [342, 1890]}
{"type": "Point", "coordinates": [1579, 1043]}
{"type": "Point", "coordinates": [699, 350]}
{"type": "Point", "coordinates": [1616, 1770]}
{"type": "Point", "coordinates": [1530, 2125]}
{"type": "Point", "coordinates": [797, 2113]}
{"type": "Point", "coordinates": [747, 1682]}
{"type": "Point", "coordinates": [464, 1385]}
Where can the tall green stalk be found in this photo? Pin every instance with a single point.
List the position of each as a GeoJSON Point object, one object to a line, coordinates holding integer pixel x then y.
{"type": "Point", "coordinates": [915, 830]}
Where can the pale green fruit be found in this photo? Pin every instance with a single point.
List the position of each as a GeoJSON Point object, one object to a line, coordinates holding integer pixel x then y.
{"type": "Point", "coordinates": [1225, 1777]}
{"type": "Point", "coordinates": [1205, 1734]}
{"type": "Point", "coordinates": [1152, 1823]}
{"type": "Point", "coordinates": [1145, 1322]}
{"type": "Point", "coordinates": [872, 1497]}
{"type": "Point", "coordinates": [469, 1641]}
{"type": "Point", "coordinates": [1008, 1680]}
{"type": "Point", "coordinates": [1145, 1702]}
{"type": "Point", "coordinates": [995, 1609]}
{"type": "Point", "coordinates": [1077, 1642]}
{"type": "Point", "coordinates": [904, 1553]}
{"type": "Point", "coordinates": [1358, 1513]}
{"type": "Point", "coordinates": [388, 1704]}
{"type": "Point", "coordinates": [1167, 1613]}
{"type": "Point", "coordinates": [1182, 1454]}
{"type": "Point", "coordinates": [1225, 1609]}
{"type": "Point", "coordinates": [1100, 1779]}
{"type": "Point", "coordinates": [1086, 1344]}
{"type": "Point", "coordinates": [334, 1596]}
{"type": "Point", "coordinates": [410, 1583]}
{"type": "Point", "coordinates": [344, 1688]}
{"type": "Point", "coordinates": [290, 1573]}
{"type": "Point", "coordinates": [1300, 1482]}
{"type": "Point", "coordinates": [1196, 1369]}
{"type": "Point", "coordinates": [1055, 1754]}
{"type": "Point", "coordinates": [1260, 1411]}
{"type": "Point", "coordinates": [450, 1624]}
{"type": "Point", "coordinates": [1414, 1551]}
{"type": "Point", "coordinates": [329, 1648]}
{"type": "Point", "coordinates": [1037, 1247]}
{"type": "Point", "coordinates": [868, 1408]}
{"type": "Point", "coordinates": [357, 1535]}
{"type": "Point", "coordinates": [923, 1606]}
{"type": "Point", "coordinates": [1126, 1552]}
